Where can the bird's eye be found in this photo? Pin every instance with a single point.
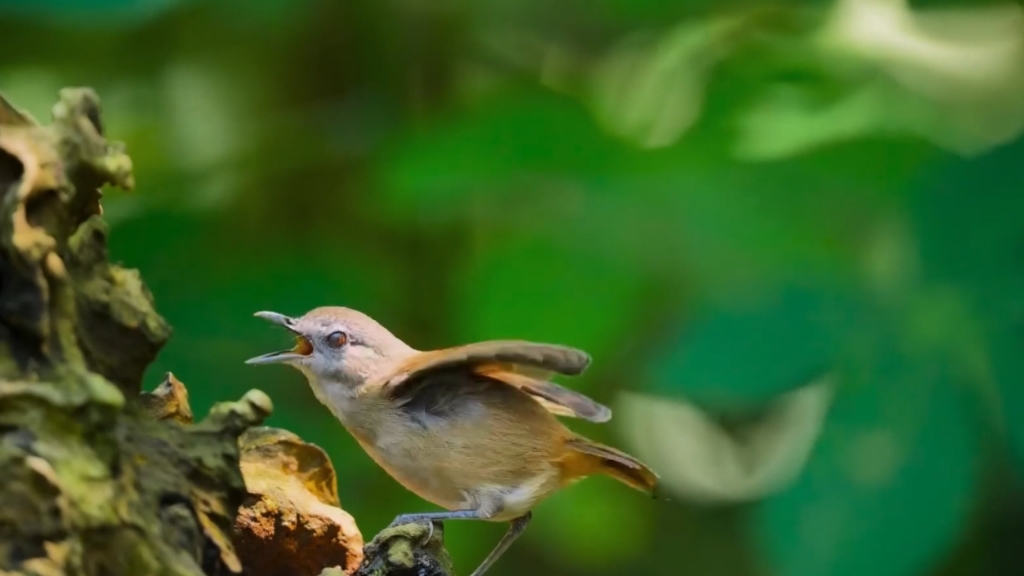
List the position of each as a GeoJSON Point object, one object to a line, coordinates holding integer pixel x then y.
{"type": "Point", "coordinates": [337, 339]}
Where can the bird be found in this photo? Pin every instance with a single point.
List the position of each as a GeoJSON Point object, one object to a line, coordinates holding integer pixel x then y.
{"type": "Point", "coordinates": [473, 429]}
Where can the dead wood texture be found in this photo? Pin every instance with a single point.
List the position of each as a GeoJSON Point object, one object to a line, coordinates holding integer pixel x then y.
{"type": "Point", "coordinates": [100, 478]}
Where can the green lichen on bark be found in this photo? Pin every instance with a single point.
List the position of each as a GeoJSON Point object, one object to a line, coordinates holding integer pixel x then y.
{"type": "Point", "coordinates": [407, 549]}
{"type": "Point", "coordinates": [95, 481]}
{"type": "Point", "coordinates": [117, 328]}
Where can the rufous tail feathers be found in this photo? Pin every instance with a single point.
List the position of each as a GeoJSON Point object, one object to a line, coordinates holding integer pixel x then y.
{"type": "Point", "coordinates": [586, 458]}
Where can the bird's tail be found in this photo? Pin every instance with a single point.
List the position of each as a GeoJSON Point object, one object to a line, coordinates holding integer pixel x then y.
{"type": "Point", "coordinates": [587, 458]}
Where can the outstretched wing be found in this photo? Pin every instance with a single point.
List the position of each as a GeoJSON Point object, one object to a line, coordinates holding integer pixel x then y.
{"type": "Point", "coordinates": [527, 366]}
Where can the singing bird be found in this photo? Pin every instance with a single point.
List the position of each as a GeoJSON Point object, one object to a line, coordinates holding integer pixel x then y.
{"type": "Point", "coordinates": [472, 428]}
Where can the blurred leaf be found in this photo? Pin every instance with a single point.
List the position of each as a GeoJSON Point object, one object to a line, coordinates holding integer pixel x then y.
{"type": "Point", "coordinates": [770, 349]}
{"type": "Point", "coordinates": [953, 77]}
{"type": "Point", "coordinates": [785, 123]}
{"type": "Point", "coordinates": [699, 460]}
{"type": "Point", "coordinates": [204, 115]}
{"type": "Point", "coordinates": [945, 54]}
{"type": "Point", "coordinates": [892, 481]}
{"type": "Point", "coordinates": [650, 90]}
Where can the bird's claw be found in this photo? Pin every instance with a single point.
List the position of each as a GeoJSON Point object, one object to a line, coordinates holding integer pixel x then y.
{"type": "Point", "coordinates": [430, 531]}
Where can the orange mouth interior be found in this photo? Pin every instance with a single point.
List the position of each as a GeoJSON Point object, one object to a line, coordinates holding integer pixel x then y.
{"type": "Point", "coordinates": [303, 347]}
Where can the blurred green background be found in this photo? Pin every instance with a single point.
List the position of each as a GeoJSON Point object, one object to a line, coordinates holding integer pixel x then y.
{"type": "Point", "coordinates": [721, 201]}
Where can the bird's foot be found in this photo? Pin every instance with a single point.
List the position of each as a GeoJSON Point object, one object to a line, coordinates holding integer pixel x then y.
{"type": "Point", "coordinates": [415, 527]}
{"type": "Point", "coordinates": [409, 543]}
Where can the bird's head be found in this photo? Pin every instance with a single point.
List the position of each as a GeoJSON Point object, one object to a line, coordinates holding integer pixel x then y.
{"type": "Point", "coordinates": [336, 345]}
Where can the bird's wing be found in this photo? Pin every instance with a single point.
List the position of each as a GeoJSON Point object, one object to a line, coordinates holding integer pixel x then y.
{"type": "Point", "coordinates": [527, 366]}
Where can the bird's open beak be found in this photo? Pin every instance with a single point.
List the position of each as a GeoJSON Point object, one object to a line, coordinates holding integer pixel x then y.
{"type": "Point", "coordinates": [302, 347]}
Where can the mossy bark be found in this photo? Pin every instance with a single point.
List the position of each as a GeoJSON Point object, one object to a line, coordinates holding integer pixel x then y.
{"type": "Point", "coordinates": [407, 549]}
{"type": "Point", "coordinates": [98, 477]}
